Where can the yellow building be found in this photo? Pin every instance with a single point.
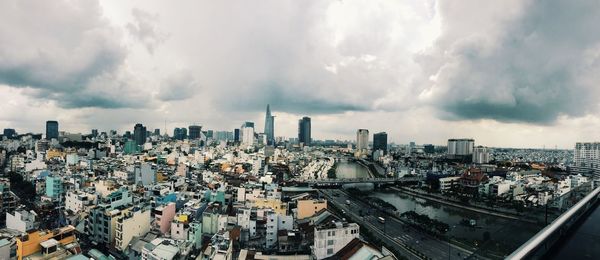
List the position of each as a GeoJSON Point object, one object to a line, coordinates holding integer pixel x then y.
{"type": "Point", "coordinates": [30, 244]}
{"type": "Point", "coordinates": [308, 208]}
{"type": "Point", "coordinates": [53, 153]}
{"type": "Point", "coordinates": [277, 206]}
{"type": "Point", "coordinates": [160, 177]}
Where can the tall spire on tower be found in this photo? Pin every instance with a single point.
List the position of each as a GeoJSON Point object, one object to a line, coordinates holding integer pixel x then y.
{"type": "Point", "coordinates": [269, 126]}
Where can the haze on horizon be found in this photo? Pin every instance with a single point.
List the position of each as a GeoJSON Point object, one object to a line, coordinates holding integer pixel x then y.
{"type": "Point", "coordinates": [508, 73]}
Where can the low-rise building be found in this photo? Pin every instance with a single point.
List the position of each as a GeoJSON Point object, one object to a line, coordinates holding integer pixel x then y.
{"type": "Point", "coordinates": [332, 236]}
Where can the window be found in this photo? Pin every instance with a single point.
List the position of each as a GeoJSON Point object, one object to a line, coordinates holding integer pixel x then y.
{"type": "Point", "coordinates": [329, 242]}
{"type": "Point", "coordinates": [330, 251]}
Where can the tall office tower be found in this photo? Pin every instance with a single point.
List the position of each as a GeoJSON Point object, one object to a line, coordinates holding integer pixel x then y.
{"type": "Point", "coordinates": [180, 133]}
{"type": "Point", "coordinates": [127, 134]}
{"type": "Point", "coordinates": [481, 155]}
{"type": "Point", "coordinates": [362, 140]}
{"type": "Point", "coordinates": [236, 135]}
{"type": "Point", "coordinates": [51, 130]}
{"type": "Point", "coordinates": [209, 134]}
{"type": "Point", "coordinates": [194, 131]}
{"type": "Point", "coordinates": [587, 159]}
{"type": "Point", "coordinates": [9, 132]}
{"type": "Point", "coordinates": [139, 134]}
{"type": "Point", "coordinates": [157, 132]}
{"type": "Point", "coordinates": [380, 142]}
{"type": "Point", "coordinates": [247, 133]}
{"type": "Point", "coordinates": [94, 132]}
{"type": "Point", "coordinates": [269, 127]}
{"type": "Point", "coordinates": [304, 131]}
{"type": "Point", "coordinates": [460, 147]}
{"type": "Point", "coordinates": [429, 148]}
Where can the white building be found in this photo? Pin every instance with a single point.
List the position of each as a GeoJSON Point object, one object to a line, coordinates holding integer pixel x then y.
{"type": "Point", "coordinates": [481, 155]}
{"type": "Point", "coordinates": [362, 141]}
{"type": "Point", "coordinates": [76, 201]}
{"type": "Point", "coordinates": [577, 180]}
{"type": "Point", "coordinates": [276, 222]}
{"type": "Point", "coordinates": [135, 222]}
{"type": "Point", "coordinates": [21, 220]}
{"type": "Point", "coordinates": [587, 158]}
{"type": "Point", "coordinates": [247, 134]}
{"type": "Point", "coordinates": [447, 183]}
{"type": "Point", "coordinates": [331, 237]}
{"type": "Point", "coordinates": [460, 147]}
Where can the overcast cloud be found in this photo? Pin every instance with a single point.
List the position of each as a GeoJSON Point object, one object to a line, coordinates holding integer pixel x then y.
{"type": "Point", "coordinates": [508, 73]}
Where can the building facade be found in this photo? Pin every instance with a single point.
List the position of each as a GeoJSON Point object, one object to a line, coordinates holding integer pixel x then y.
{"type": "Point", "coordinates": [51, 130]}
{"type": "Point", "coordinates": [362, 140]}
{"type": "Point", "coordinates": [380, 142]}
{"type": "Point", "coordinates": [269, 127]}
{"type": "Point", "coordinates": [304, 131]}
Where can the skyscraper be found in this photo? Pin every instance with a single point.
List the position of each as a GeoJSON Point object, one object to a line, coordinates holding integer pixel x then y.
{"type": "Point", "coordinates": [304, 128]}
{"type": "Point", "coordinates": [236, 135]}
{"type": "Point", "coordinates": [481, 155]}
{"type": "Point", "coordinates": [51, 130]}
{"type": "Point", "coordinates": [269, 127]}
{"type": "Point", "coordinates": [139, 134]}
{"type": "Point", "coordinates": [9, 132]}
{"type": "Point", "coordinates": [194, 131]}
{"type": "Point", "coordinates": [94, 132]}
{"type": "Point", "coordinates": [157, 132]}
{"type": "Point", "coordinates": [460, 147]}
{"type": "Point", "coordinates": [362, 140]}
{"type": "Point", "coordinates": [247, 133]}
{"type": "Point", "coordinates": [180, 133]}
{"type": "Point", "coordinates": [587, 159]}
{"type": "Point", "coordinates": [380, 142]}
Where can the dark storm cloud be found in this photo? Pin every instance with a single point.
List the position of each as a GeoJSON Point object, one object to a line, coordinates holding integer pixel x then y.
{"type": "Point", "coordinates": [179, 86]}
{"type": "Point", "coordinates": [292, 100]}
{"type": "Point", "coordinates": [65, 50]}
{"type": "Point", "coordinates": [540, 65]}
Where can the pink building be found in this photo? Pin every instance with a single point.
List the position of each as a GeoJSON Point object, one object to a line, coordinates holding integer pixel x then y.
{"type": "Point", "coordinates": [163, 215]}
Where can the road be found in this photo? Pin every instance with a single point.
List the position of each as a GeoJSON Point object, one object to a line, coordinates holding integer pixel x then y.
{"type": "Point", "coordinates": [394, 231]}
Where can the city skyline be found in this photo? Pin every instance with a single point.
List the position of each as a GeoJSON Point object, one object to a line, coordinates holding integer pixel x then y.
{"type": "Point", "coordinates": [422, 71]}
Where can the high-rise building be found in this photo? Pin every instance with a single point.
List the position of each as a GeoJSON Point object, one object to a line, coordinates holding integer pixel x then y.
{"type": "Point", "coordinates": [380, 142]}
{"type": "Point", "coordinates": [429, 148]}
{"type": "Point", "coordinates": [269, 127]}
{"type": "Point", "coordinates": [236, 135]}
{"type": "Point", "coordinates": [51, 130]}
{"type": "Point", "coordinates": [247, 133]}
{"type": "Point", "coordinates": [157, 132]}
{"type": "Point", "coordinates": [127, 135]}
{"type": "Point", "coordinates": [587, 159]}
{"type": "Point", "coordinates": [9, 132]}
{"type": "Point", "coordinates": [194, 131]}
{"type": "Point", "coordinates": [209, 134]}
{"type": "Point", "coordinates": [94, 132]}
{"type": "Point", "coordinates": [139, 134]}
{"type": "Point", "coordinates": [460, 147]}
{"type": "Point", "coordinates": [180, 133]}
{"type": "Point", "coordinates": [481, 155]}
{"type": "Point", "coordinates": [304, 131]}
{"type": "Point", "coordinates": [362, 140]}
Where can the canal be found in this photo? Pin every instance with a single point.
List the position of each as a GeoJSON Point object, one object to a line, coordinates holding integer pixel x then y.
{"type": "Point", "coordinates": [491, 235]}
{"type": "Point", "coordinates": [350, 170]}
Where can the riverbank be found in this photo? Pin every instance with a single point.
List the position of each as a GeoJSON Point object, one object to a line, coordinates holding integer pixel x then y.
{"type": "Point", "coordinates": [466, 207]}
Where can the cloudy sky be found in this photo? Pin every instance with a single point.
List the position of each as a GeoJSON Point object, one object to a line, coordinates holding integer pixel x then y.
{"type": "Point", "coordinates": [511, 73]}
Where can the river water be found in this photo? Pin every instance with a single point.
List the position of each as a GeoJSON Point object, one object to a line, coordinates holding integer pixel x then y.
{"type": "Point", "coordinates": [349, 170]}
{"type": "Point", "coordinates": [503, 235]}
